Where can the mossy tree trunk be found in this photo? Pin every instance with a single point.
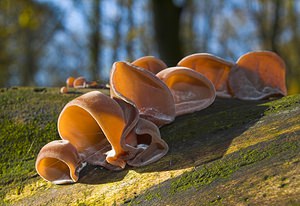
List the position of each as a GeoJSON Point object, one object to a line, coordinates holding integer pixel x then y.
{"type": "Point", "coordinates": [250, 145]}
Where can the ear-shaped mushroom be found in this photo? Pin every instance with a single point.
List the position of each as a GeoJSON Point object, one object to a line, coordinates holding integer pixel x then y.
{"type": "Point", "coordinates": [213, 68]}
{"type": "Point", "coordinates": [79, 82]}
{"type": "Point", "coordinates": [129, 138]}
{"type": "Point", "coordinates": [92, 84]}
{"type": "Point", "coordinates": [70, 81]}
{"type": "Point", "coordinates": [144, 90]}
{"type": "Point", "coordinates": [63, 90]}
{"type": "Point", "coordinates": [94, 124]}
{"type": "Point", "coordinates": [150, 63]}
{"type": "Point", "coordinates": [191, 90]}
{"type": "Point", "coordinates": [59, 162]}
{"type": "Point", "coordinates": [258, 75]}
{"type": "Point", "coordinates": [142, 139]}
{"type": "Point", "coordinates": [149, 140]}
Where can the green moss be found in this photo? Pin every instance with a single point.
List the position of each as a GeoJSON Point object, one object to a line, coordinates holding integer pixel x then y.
{"type": "Point", "coordinates": [225, 167]}
{"type": "Point", "coordinates": [224, 114]}
{"type": "Point", "coordinates": [27, 122]}
{"type": "Point", "coordinates": [283, 104]}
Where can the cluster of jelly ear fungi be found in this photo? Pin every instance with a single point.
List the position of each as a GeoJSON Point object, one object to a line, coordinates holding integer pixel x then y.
{"type": "Point", "coordinates": [255, 75]}
{"type": "Point", "coordinates": [145, 95]}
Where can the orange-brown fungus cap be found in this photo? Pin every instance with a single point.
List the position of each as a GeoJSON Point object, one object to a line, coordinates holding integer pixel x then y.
{"type": "Point", "coordinates": [142, 140]}
{"type": "Point", "coordinates": [63, 90]}
{"type": "Point", "coordinates": [131, 116]}
{"type": "Point", "coordinates": [258, 75]}
{"type": "Point", "coordinates": [92, 84]}
{"type": "Point", "coordinates": [144, 90]}
{"type": "Point", "coordinates": [150, 63]}
{"type": "Point", "coordinates": [212, 67]}
{"type": "Point", "coordinates": [59, 162]}
{"type": "Point", "coordinates": [70, 81]}
{"type": "Point", "coordinates": [149, 140]}
{"type": "Point", "coordinates": [79, 82]}
{"type": "Point", "coordinates": [191, 90]}
{"type": "Point", "coordinates": [94, 124]}
{"type": "Point", "coordinates": [128, 141]}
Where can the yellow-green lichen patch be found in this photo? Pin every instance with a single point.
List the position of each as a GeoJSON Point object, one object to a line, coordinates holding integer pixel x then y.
{"type": "Point", "coordinates": [128, 188]}
{"type": "Point", "coordinates": [27, 190]}
{"type": "Point", "coordinates": [123, 190]}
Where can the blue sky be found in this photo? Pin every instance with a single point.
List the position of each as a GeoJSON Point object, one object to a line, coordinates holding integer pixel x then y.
{"type": "Point", "coordinates": [74, 22]}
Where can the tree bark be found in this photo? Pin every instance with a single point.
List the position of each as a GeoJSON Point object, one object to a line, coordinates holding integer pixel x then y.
{"type": "Point", "coordinates": [129, 42]}
{"type": "Point", "coordinates": [30, 64]}
{"type": "Point", "coordinates": [95, 39]}
{"type": "Point", "coordinates": [167, 30]}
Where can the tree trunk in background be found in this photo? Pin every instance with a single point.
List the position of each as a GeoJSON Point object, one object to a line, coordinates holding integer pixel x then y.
{"type": "Point", "coordinates": [276, 30]}
{"type": "Point", "coordinates": [190, 35]}
{"type": "Point", "coordinates": [30, 65]}
{"type": "Point", "coordinates": [130, 35]}
{"type": "Point", "coordinates": [167, 30]}
{"type": "Point", "coordinates": [117, 36]}
{"type": "Point", "coordinates": [95, 40]}
{"type": "Point", "coordinates": [269, 23]}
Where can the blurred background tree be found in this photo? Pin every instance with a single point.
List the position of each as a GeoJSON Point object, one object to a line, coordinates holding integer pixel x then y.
{"type": "Point", "coordinates": [45, 41]}
{"type": "Point", "coordinates": [26, 27]}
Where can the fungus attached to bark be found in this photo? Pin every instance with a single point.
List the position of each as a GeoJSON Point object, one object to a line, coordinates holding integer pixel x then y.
{"type": "Point", "coordinates": [99, 130]}
{"type": "Point", "coordinates": [149, 140]}
{"type": "Point", "coordinates": [70, 81]}
{"type": "Point", "coordinates": [212, 67]}
{"type": "Point", "coordinates": [191, 90]}
{"type": "Point", "coordinates": [63, 90]}
{"type": "Point", "coordinates": [258, 75]}
{"type": "Point", "coordinates": [79, 82]}
{"type": "Point", "coordinates": [144, 90]}
{"type": "Point", "coordinates": [92, 84]}
{"type": "Point", "coordinates": [150, 63]}
{"type": "Point", "coordinates": [123, 128]}
{"type": "Point", "coordinates": [59, 162]}
{"type": "Point", "coordinates": [94, 124]}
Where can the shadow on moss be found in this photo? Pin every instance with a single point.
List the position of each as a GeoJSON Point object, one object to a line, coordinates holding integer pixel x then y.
{"type": "Point", "coordinates": [194, 139]}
